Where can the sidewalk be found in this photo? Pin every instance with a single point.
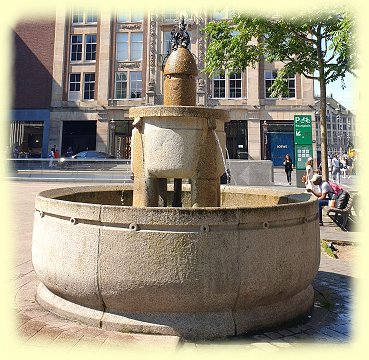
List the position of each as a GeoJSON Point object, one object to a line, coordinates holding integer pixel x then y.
{"type": "Point", "coordinates": [330, 321]}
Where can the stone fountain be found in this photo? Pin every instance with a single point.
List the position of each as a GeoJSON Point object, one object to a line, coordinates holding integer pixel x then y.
{"type": "Point", "coordinates": [220, 261]}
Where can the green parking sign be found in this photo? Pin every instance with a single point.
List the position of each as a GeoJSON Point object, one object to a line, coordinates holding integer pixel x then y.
{"type": "Point", "coordinates": [303, 129]}
{"type": "Point", "coordinates": [302, 153]}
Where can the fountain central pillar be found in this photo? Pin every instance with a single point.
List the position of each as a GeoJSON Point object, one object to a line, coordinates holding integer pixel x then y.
{"type": "Point", "coordinates": [178, 140]}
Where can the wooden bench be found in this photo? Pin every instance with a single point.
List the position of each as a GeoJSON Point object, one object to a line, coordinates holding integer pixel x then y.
{"type": "Point", "coordinates": [344, 213]}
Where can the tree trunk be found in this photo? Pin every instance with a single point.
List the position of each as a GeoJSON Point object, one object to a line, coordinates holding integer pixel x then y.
{"type": "Point", "coordinates": [323, 110]}
{"type": "Point", "coordinates": [323, 128]}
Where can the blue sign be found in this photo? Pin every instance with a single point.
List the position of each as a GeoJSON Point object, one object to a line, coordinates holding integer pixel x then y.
{"type": "Point", "coordinates": [280, 144]}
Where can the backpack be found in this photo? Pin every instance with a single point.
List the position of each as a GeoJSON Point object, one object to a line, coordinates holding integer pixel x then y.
{"type": "Point", "coordinates": [337, 189]}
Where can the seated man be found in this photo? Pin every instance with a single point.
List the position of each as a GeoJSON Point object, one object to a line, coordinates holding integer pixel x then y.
{"type": "Point", "coordinates": [324, 194]}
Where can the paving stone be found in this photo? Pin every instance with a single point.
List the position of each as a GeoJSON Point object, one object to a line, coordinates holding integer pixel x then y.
{"type": "Point", "coordinates": [45, 336]}
{"type": "Point", "coordinates": [30, 328]}
{"type": "Point", "coordinates": [285, 332]}
{"type": "Point", "coordinates": [273, 335]}
{"type": "Point", "coordinates": [260, 337]}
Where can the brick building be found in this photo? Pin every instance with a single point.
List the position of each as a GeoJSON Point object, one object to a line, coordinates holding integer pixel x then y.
{"type": "Point", "coordinates": [33, 44]}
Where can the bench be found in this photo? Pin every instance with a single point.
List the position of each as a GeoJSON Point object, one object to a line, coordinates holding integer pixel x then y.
{"type": "Point", "coordinates": [344, 213]}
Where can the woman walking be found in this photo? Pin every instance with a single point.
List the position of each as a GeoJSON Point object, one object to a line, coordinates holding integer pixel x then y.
{"type": "Point", "coordinates": [309, 173]}
{"type": "Point", "coordinates": [288, 167]}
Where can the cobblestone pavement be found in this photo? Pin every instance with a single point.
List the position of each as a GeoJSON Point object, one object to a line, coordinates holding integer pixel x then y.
{"type": "Point", "coordinates": [330, 320]}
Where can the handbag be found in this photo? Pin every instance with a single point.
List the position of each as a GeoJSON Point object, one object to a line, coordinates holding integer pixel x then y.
{"type": "Point", "coordinates": [303, 179]}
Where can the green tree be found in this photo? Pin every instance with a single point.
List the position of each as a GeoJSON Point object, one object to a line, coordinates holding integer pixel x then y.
{"type": "Point", "coordinates": [319, 45]}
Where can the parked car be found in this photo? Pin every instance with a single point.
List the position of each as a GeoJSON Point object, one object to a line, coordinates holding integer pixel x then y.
{"type": "Point", "coordinates": [89, 159]}
{"type": "Point", "coordinates": [90, 154]}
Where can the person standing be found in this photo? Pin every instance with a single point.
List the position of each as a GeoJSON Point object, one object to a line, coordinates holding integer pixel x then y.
{"type": "Point", "coordinates": [51, 156]}
{"type": "Point", "coordinates": [288, 167]}
{"type": "Point", "coordinates": [309, 173]}
{"type": "Point", "coordinates": [336, 171]}
{"type": "Point", "coordinates": [349, 166]}
{"type": "Point", "coordinates": [69, 152]}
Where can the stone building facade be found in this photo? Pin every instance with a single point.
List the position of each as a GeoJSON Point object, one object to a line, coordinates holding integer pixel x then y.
{"type": "Point", "coordinates": [105, 63]}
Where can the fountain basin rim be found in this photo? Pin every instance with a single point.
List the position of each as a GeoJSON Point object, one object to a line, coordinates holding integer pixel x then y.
{"type": "Point", "coordinates": [297, 199]}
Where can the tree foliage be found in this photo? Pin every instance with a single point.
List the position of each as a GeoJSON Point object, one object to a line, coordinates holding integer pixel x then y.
{"type": "Point", "coordinates": [305, 43]}
{"type": "Point", "coordinates": [319, 44]}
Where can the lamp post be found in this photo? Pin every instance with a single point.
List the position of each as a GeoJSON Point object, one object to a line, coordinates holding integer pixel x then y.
{"type": "Point", "coordinates": [265, 138]}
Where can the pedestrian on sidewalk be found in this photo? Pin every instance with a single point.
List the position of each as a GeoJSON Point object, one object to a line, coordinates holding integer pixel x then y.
{"type": "Point", "coordinates": [309, 173]}
{"type": "Point", "coordinates": [336, 169]}
{"type": "Point", "coordinates": [51, 156]}
{"type": "Point", "coordinates": [324, 194]}
{"type": "Point", "coordinates": [288, 167]}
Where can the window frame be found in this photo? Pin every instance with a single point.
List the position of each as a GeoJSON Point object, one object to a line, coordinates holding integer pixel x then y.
{"type": "Point", "coordinates": [129, 17]}
{"type": "Point", "coordinates": [74, 95]}
{"type": "Point", "coordinates": [83, 17]}
{"type": "Point", "coordinates": [128, 45]}
{"type": "Point", "coordinates": [91, 86]}
{"type": "Point", "coordinates": [227, 80]}
{"type": "Point", "coordinates": [130, 87]}
{"type": "Point", "coordinates": [82, 47]}
{"type": "Point", "coordinates": [138, 81]}
{"type": "Point", "coordinates": [236, 88]}
{"type": "Point", "coordinates": [79, 46]}
{"type": "Point", "coordinates": [91, 44]}
{"type": "Point", "coordinates": [119, 81]}
{"type": "Point", "coordinates": [271, 80]}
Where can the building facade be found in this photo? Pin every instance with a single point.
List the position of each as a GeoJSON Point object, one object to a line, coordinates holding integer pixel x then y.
{"type": "Point", "coordinates": [33, 44]}
{"type": "Point", "coordinates": [105, 63]}
{"type": "Point", "coordinates": [341, 127]}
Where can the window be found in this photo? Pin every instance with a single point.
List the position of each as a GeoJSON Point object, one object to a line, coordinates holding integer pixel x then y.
{"type": "Point", "coordinates": [136, 84]}
{"type": "Point", "coordinates": [83, 17]}
{"type": "Point", "coordinates": [133, 52]}
{"type": "Point", "coordinates": [170, 17]}
{"type": "Point", "coordinates": [74, 82]}
{"type": "Point", "coordinates": [121, 85]}
{"type": "Point", "coordinates": [227, 86]}
{"type": "Point", "coordinates": [89, 86]}
{"type": "Point", "coordinates": [134, 16]}
{"type": "Point", "coordinates": [91, 17]}
{"type": "Point", "coordinates": [270, 76]}
{"type": "Point", "coordinates": [90, 47]}
{"type": "Point", "coordinates": [76, 48]}
{"type": "Point", "coordinates": [136, 46]}
{"type": "Point", "coordinates": [74, 87]}
{"type": "Point", "coordinates": [166, 42]}
{"type": "Point", "coordinates": [122, 47]}
{"type": "Point", "coordinates": [77, 16]}
{"type": "Point", "coordinates": [128, 84]}
{"type": "Point", "coordinates": [219, 86]}
{"type": "Point", "coordinates": [291, 87]}
{"type": "Point", "coordinates": [235, 83]}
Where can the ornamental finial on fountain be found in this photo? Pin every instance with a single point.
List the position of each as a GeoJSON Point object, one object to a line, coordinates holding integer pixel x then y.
{"type": "Point", "coordinates": [179, 36]}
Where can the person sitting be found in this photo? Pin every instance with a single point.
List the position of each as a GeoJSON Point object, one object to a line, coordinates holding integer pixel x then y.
{"type": "Point", "coordinates": [324, 194]}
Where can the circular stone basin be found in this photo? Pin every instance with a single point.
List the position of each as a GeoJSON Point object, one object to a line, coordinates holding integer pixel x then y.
{"type": "Point", "coordinates": [194, 272]}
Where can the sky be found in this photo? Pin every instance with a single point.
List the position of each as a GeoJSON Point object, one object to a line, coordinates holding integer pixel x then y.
{"type": "Point", "coordinates": [347, 97]}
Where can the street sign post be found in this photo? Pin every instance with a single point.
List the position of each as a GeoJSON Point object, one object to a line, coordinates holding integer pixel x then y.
{"type": "Point", "coordinates": [303, 129]}
{"type": "Point", "coordinates": [303, 139]}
